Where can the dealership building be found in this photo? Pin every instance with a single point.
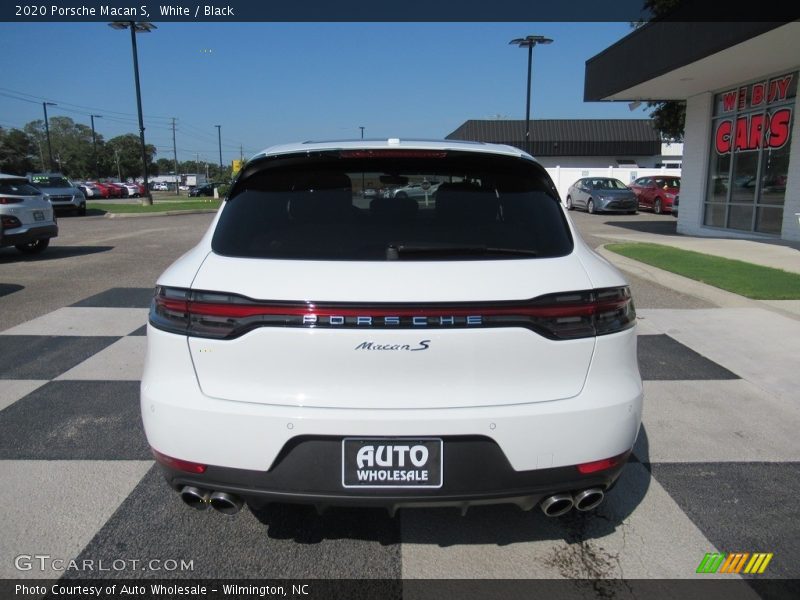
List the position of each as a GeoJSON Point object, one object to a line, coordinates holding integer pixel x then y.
{"type": "Point", "coordinates": [583, 143]}
{"type": "Point", "coordinates": [741, 154]}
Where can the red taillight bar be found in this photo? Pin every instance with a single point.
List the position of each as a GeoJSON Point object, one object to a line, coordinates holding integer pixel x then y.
{"type": "Point", "coordinates": [251, 310]}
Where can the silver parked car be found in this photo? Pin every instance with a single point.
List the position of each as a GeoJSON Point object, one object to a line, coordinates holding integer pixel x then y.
{"type": "Point", "coordinates": [26, 215]}
{"type": "Point", "coordinates": [63, 194]}
{"type": "Point", "coordinates": [601, 194]}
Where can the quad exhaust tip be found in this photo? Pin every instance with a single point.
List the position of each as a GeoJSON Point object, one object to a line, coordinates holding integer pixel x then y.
{"type": "Point", "coordinates": [195, 497]}
{"type": "Point", "coordinates": [557, 505]}
{"type": "Point", "coordinates": [225, 503]}
{"type": "Point", "coordinates": [589, 499]}
{"type": "Point", "coordinates": [201, 499]}
{"type": "Point", "coordinates": [560, 504]}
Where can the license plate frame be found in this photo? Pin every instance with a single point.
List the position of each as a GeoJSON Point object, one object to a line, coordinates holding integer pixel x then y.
{"type": "Point", "coordinates": [428, 475]}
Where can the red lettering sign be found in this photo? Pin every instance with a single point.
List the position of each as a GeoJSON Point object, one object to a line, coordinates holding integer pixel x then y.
{"type": "Point", "coordinates": [779, 127]}
{"type": "Point", "coordinates": [754, 131]}
{"type": "Point", "coordinates": [729, 101]}
{"type": "Point", "coordinates": [758, 94]}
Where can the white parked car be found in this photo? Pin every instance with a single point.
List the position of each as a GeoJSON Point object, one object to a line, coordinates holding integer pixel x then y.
{"type": "Point", "coordinates": [133, 190]}
{"type": "Point", "coordinates": [27, 218]}
{"type": "Point", "coordinates": [310, 349]}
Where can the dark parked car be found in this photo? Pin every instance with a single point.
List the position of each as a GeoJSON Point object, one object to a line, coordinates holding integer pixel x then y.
{"type": "Point", "coordinates": [601, 194]}
{"type": "Point", "coordinates": [207, 189]}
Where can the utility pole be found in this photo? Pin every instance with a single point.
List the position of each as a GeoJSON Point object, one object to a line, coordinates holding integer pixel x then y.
{"type": "Point", "coordinates": [94, 145]}
{"type": "Point", "coordinates": [116, 158]}
{"type": "Point", "coordinates": [241, 152]}
{"type": "Point", "coordinates": [141, 27]}
{"type": "Point", "coordinates": [219, 138]}
{"type": "Point", "coordinates": [175, 155]}
{"type": "Point", "coordinates": [47, 131]}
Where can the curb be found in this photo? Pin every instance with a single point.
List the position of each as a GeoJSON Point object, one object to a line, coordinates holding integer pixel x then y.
{"type": "Point", "coordinates": [709, 293]}
{"type": "Point", "coordinates": [166, 213]}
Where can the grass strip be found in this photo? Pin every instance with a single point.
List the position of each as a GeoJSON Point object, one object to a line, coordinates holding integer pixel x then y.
{"type": "Point", "coordinates": [743, 278]}
{"type": "Point", "coordinates": [107, 207]}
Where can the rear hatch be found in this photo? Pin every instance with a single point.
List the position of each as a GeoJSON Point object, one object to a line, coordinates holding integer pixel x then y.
{"type": "Point", "coordinates": [314, 295]}
{"type": "Point", "coordinates": [21, 200]}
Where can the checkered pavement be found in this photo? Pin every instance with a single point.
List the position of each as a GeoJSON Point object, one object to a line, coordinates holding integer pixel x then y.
{"type": "Point", "coordinates": [716, 468]}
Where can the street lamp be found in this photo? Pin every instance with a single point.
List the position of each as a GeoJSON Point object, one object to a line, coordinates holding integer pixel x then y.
{"type": "Point", "coordinates": [47, 131]}
{"type": "Point", "coordinates": [94, 145]}
{"type": "Point", "coordinates": [362, 131]}
{"type": "Point", "coordinates": [219, 139]}
{"type": "Point", "coordinates": [141, 27]}
{"type": "Point", "coordinates": [529, 42]}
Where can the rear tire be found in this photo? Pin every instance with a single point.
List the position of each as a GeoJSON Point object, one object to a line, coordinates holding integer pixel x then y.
{"type": "Point", "coordinates": [569, 203]}
{"type": "Point", "coordinates": [657, 206]}
{"type": "Point", "coordinates": [34, 247]}
{"type": "Point", "coordinates": [590, 207]}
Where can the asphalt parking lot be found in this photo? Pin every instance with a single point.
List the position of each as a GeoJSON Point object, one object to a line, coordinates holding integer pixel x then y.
{"type": "Point", "coordinates": [716, 466]}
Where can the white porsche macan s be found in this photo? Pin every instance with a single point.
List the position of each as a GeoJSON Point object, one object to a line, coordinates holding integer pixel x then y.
{"type": "Point", "coordinates": [327, 347]}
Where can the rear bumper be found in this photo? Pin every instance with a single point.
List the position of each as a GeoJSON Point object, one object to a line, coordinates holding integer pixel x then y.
{"type": "Point", "coordinates": [475, 472]}
{"type": "Point", "coordinates": [28, 234]}
{"type": "Point", "coordinates": [74, 204]}
{"type": "Point", "coordinates": [516, 453]}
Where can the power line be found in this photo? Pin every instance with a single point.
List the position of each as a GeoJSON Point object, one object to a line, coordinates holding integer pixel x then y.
{"type": "Point", "coordinates": [39, 99]}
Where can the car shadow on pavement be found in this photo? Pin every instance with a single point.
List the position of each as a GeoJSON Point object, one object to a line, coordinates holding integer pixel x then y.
{"type": "Point", "coordinates": [52, 253]}
{"type": "Point", "coordinates": [9, 288]}
{"type": "Point", "coordinates": [498, 524]}
{"type": "Point", "coordinates": [656, 227]}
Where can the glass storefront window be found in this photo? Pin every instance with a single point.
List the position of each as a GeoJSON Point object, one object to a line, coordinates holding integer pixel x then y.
{"type": "Point", "coordinates": [751, 137]}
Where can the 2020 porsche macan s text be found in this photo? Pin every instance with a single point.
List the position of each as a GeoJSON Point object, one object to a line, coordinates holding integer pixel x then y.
{"type": "Point", "coordinates": [326, 347]}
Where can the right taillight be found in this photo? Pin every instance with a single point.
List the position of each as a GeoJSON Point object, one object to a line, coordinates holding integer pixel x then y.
{"type": "Point", "coordinates": [6, 200]}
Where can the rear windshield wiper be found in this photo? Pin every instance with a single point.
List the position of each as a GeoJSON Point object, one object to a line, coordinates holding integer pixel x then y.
{"type": "Point", "coordinates": [394, 252]}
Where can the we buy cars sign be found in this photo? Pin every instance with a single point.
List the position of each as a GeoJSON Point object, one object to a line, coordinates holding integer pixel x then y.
{"type": "Point", "coordinates": [752, 131]}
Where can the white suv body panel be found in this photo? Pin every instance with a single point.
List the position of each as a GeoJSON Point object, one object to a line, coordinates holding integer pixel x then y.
{"type": "Point", "coordinates": [237, 403]}
{"type": "Point", "coordinates": [601, 421]}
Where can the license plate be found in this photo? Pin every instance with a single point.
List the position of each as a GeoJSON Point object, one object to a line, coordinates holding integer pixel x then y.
{"type": "Point", "coordinates": [38, 215]}
{"type": "Point", "coordinates": [392, 463]}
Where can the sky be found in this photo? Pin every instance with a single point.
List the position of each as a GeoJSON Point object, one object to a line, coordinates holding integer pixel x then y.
{"type": "Point", "coordinates": [272, 83]}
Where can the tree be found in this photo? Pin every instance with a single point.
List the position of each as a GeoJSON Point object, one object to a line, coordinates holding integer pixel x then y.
{"type": "Point", "coordinates": [17, 152]}
{"type": "Point", "coordinates": [669, 116]}
{"type": "Point", "coordinates": [124, 153]}
{"type": "Point", "coordinates": [71, 143]}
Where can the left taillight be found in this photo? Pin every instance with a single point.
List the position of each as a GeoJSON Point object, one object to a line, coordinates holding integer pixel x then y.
{"type": "Point", "coordinates": [10, 222]}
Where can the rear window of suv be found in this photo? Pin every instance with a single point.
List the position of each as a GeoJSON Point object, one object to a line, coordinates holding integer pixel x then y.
{"type": "Point", "coordinates": [18, 187]}
{"type": "Point", "coordinates": [426, 206]}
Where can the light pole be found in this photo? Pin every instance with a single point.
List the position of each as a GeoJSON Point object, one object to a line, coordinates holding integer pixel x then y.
{"type": "Point", "coordinates": [94, 145]}
{"type": "Point", "coordinates": [140, 27]}
{"type": "Point", "coordinates": [529, 42]}
{"type": "Point", "coordinates": [219, 139]}
{"type": "Point", "coordinates": [362, 131]}
{"type": "Point", "coordinates": [47, 131]}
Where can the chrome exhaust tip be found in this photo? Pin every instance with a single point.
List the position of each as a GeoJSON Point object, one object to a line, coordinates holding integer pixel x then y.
{"type": "Point", "coordinates": [195, 497]}
{"type": "Point", "coordinates": [225, 503]}
{"type": "Point", "coordinates": [589, 499]}
{"type": "Point", "coordinates": [557, 505]}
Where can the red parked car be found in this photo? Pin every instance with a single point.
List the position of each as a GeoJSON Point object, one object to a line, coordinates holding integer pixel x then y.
{"type": "Point", "coordinates": [117, 190]}
{"type": "Point", "coordinates": [656, 192]}
{"type": "Point", "coordinates": [105, 192]}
